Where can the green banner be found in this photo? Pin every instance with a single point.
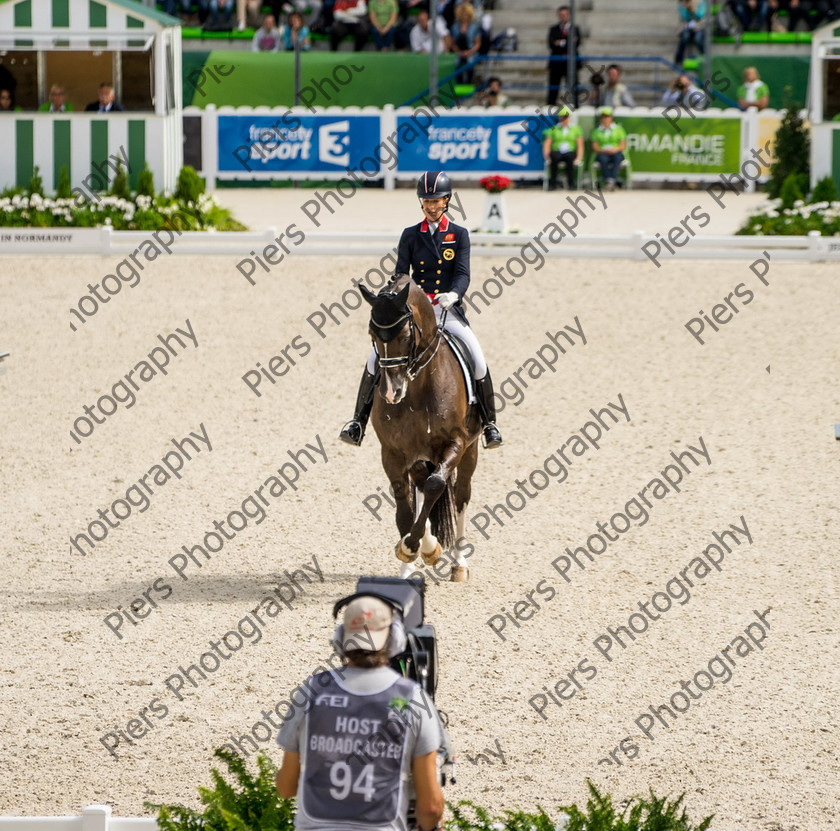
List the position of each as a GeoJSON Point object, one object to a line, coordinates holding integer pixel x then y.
{"type": "Point", "coordinates": [703, 145]}
{"type": "Point", "coordinates": [786, 77]}
{"type": "Point", "coordinates": [328, 79]}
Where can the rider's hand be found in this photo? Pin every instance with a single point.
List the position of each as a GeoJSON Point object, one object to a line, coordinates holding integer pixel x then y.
{"type": "Point", "coordinates": [447, 300]}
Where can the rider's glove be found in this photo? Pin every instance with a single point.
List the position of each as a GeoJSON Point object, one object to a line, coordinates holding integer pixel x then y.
{"type": "Point", "coordinates": [447, 300]}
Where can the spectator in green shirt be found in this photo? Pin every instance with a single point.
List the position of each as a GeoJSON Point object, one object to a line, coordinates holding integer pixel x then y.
{"type": "Point", "coordinates": [753, 92]}
{"type": "Point", "coordinates": [563, 143]}
{"type": "Point", "coordinates": [56, 102]}
{"type": "Point", "coordinates": [383, 22]}
{"type": "Point", "coordinates": [608, 143]}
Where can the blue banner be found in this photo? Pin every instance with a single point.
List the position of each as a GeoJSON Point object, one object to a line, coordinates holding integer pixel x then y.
{"type": "Point", "coordinates": [470, 144]}
{"type": "Point", "coordinates": [296, 143]}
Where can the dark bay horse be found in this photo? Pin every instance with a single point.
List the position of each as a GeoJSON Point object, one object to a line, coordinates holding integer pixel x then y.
{"type": "Point", "coordinates": [428, 432]}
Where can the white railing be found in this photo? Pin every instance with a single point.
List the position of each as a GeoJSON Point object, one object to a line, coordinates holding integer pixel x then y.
{"type": "Point", "coordinates": [93, 818]}
{"type": "Point", "coordinates": [106, 242]}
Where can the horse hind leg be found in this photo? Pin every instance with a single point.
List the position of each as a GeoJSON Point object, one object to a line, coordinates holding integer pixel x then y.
{"type": "Point", "coordinates": [463, 491]}
{"type": "Point", "coordinates": [429, 546]}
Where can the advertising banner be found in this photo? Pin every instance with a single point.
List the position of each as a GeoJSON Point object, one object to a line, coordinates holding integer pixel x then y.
{"type": "Point", "coordinates": [293, 143]}
{"type": "Point", "coordinates": [701, 146]}
{"type": "Point", "coordinates": [469, 144]}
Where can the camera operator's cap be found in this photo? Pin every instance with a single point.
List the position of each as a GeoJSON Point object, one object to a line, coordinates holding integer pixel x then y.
{"type": "Point", "coordinates": [606, 111]}
{"type": "Point", "coordinates": [367, 623]}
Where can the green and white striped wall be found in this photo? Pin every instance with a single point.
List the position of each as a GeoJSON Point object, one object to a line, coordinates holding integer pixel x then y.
{"type": "Point", "coordinates": [82, 143]}
{"type": "Point", "coordinates": [22, 17]}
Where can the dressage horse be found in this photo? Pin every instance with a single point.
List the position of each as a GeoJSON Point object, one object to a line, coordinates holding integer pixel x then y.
{"type": "Point", "coordinates": [428, 430]}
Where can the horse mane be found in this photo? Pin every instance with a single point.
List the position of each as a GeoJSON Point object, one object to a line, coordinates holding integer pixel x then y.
{"type": "Point", "coordinates": [396, 283]}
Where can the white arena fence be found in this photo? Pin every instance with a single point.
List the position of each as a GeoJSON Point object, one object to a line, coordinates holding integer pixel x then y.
{"type": "Point", "coordinates": [106, 242]}
{"type": "Point", "coordinates": [93, 818]}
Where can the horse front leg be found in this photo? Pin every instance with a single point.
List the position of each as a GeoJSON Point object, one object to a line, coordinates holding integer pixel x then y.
{"type": "Point", "coordinates": [401, 484]}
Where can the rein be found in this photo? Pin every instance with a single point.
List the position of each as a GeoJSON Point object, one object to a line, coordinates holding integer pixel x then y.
{"type": "Point", "coordinates": [411, 361]}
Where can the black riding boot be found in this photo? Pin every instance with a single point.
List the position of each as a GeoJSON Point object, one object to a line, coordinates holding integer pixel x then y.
{"type": "Point", "coordinates": [354, 431]}
{"type": "Point", "coordinates": [484, 391]}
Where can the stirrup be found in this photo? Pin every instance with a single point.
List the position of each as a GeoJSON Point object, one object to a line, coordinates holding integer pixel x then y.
{"type": "Point", "coordinates": [490, 436]}
{"type": "Point", "coordinates": [352, 433]}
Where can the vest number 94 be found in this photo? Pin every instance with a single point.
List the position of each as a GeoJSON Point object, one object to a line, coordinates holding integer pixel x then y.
{"type": "Point", "coordinates": [341, 778]}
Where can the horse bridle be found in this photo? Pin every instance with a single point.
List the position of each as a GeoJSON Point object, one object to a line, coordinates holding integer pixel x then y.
{"type": "Point", "coordinates": [411, 361]}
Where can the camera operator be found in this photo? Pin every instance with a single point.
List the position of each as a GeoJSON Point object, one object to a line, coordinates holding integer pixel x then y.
{"type": "Point", "coordinates": [349, 754]}
{"type": "Point", "coordinates": [683, 92]}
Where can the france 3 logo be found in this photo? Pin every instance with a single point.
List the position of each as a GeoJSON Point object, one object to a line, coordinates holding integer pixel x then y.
{"type": "Point", "coordinates": [473, 143]}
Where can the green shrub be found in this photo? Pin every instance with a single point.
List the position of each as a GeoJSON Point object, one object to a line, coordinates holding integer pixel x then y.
{"type": "Point", "coordinates": [640, 814]}
{"type": "Point", "coordinates": [63, 190]}
{"type": "Point", "coordinates": [190, 185]}
{"type": "Point", "coordinates": [36, 183]}
{"type": "Point", "coordinates": [250, 804]}
{"type": "Point", "coordinates": [793, 147]}
{"type": "Point", "coordinates": [146, 182]}
{"type": "Point", "coordinates": [824, 191]}
{"type": "Point", "coordinates": [119, 187]}
{"type": "Point", "coordinates": [791, 192]}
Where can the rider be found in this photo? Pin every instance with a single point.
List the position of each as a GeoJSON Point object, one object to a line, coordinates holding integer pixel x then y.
{"type": "Point", "coordinates": [436, 251]}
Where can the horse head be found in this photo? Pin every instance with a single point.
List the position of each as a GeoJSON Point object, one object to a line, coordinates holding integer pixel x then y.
{"type": "Point", "coordinates": [402, 325]}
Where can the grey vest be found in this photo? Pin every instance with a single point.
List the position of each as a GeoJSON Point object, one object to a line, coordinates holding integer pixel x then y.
{"type": "Point", "coordinates": [354, 764]}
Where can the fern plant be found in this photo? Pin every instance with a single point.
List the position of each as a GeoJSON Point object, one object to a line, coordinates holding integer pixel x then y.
{"type": "Point", "coordinates": [249, 803]}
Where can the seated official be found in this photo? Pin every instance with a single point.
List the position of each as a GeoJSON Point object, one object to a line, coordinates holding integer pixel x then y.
{"type": "Point", "coordinates": [563, 144]}
{"type": "Point", "coordinates": [608, 143]}
{"type": "Point", "coordinates": [106, 102]}
{"type": "Point", "coordinates": [57, 102]}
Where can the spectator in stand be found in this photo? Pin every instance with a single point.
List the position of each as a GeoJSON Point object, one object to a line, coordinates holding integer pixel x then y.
{"type": "Point", "coordinates": [421, 34]}
{"type": "Point", "coordinates": [563, 144]}
{"type": "Point", "coordinates": [608, 143]}
{"type": "Point", "coordinates": [558, 46]}
{"type": "Point", "coordinates": [466, 41]}
{"type": "Point", "coordinates": [616, 93]}
{"type": "Point", "coordinates": [800, 10]}
{"type": "Point", "coordinates": [753, 92]}
{"type": "Point", "coordinates": [300, 6]}
{"type": "Point", "coordinates": [683, 92]}
{"type": "Point", "coordinates": [296, 30]}
{"type": "Point", "coordinates": [56, 102]}
{"type": "Point", "coordinates": [267, 38]}
{"type": "Point", "coordinates": [349, 18]}
{"type": "Point", "coordinates": [7, 101]}
{"type": "Point", "coordinates": [693, 17]}
{"type": "Point", "coordinates": [244, 9]}
{"type": "Point", "coordinates": [492, 95]}
{"type": "Point", "coordinates": [383, 22]}
{"type": "Point", "coordinates": [226, 8]}
{"type": "Point", "coordinates": [106, 103]}
{"type": "Point", "coordinates": [753, 15]}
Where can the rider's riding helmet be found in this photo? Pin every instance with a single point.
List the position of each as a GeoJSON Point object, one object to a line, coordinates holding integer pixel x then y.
{"type": "Point", "coordinates": [434, 184]}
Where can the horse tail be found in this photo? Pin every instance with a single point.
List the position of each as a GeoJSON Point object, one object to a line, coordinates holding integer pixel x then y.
{"type": "Point", "coordinates": [442, 517]}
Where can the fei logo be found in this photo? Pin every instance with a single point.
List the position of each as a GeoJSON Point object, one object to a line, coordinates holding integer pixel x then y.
{"type": "Point", "coordinates": [513, 144]}
{"type": "Point", "coordinates": [334, 143]}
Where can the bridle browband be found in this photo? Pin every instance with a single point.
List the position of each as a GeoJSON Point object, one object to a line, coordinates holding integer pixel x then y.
{"type": "Point", "coordinates": [411, 361]}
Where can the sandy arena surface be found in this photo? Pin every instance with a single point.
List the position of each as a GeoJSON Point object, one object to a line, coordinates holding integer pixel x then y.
{"type": "Point", "coordinates": [759, 749]}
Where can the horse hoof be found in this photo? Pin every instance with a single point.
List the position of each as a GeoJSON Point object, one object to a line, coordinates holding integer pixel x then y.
{"type": "Point", "coordinates": [403, 554]}
{"type": "Point", "coordinates": [460, 574]}
{"type": "Point", "coordinates": [433, 557]}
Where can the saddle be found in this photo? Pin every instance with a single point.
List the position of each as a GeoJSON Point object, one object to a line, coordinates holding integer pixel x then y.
{"type": "Point", "coordinates": [465, 361]}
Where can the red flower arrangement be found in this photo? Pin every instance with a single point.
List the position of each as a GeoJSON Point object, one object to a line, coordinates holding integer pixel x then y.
{"type": "Point", "coordinates": [495, 184]}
